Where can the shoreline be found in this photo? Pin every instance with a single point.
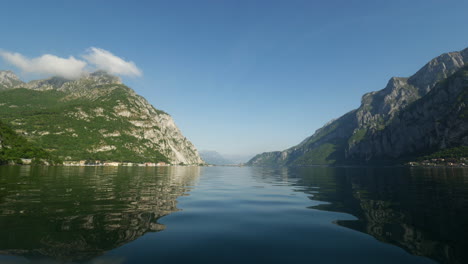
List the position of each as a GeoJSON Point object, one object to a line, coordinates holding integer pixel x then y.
{"type": "Point", "coordinates": [91, 165]}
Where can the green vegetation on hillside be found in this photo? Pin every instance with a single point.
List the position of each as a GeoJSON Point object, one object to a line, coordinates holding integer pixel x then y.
{"type": "Point", "coordinates": [78, 128]}
{"type": "Point", "coordinates": [455, 153]}
{"type": "Point", "coordinates": [14, 147]}
{"type": "Point", "coordinates": [358, 135]}
{"type": "Point", "coordinates": [318, 156]}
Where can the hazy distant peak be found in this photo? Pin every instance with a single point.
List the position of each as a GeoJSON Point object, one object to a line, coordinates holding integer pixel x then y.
{"type": "Point", "coordinates": [213, 157]}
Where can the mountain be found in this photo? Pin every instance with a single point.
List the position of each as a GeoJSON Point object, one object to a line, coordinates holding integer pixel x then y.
{"type": "Point", "coordinates": [95, 117]}
{"type": "Point", "coordinates": [213, 157]}
{"type": "Point", "coordinates": [14, 147]}
{"type": "Point", "coordinates": [408, 118]}
{"type": "Point", "coordinates": [9, 80]}
{"type": "Point", "coordinates": [239, 158]}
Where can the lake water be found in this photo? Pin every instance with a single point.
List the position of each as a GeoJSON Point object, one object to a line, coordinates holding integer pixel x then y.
{"type": "Point", "coordinates": [233, 215]}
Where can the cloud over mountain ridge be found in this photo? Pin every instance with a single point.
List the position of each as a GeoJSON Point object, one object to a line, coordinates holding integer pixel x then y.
{"type": "Point", "coordinates": [71, 67]}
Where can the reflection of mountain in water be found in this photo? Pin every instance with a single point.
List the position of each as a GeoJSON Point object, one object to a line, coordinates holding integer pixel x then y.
{"type": "Point", "coordinates": [423, 211]}
{"type": "Point", "coordinates": [75, 214]}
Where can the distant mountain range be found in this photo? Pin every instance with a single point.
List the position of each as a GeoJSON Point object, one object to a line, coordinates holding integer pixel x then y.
{"type": "Point", "coordinates": [214, 158]}
{"type": "Point", "coordinates": [410, 117]}
{"type": "Point", "coordinates": [93, 118]}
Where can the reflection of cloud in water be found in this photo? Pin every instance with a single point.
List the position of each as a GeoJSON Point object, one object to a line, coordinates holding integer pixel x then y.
{"type": "Point", "coordinates": [77, 213]}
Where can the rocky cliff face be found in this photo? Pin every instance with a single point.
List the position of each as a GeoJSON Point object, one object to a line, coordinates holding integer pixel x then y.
{"type": "Point", "coordinates": [9, 80]}
{"type": "Point", "coordinates": [94, 117]}
{"type": "Point", "coordinates": [436, 121]}
{"type": "Point", "coordinates": [369, 132]}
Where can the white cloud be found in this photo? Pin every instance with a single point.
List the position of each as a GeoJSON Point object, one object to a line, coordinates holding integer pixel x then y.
{"type": "Point", "coordinates": [47, 64]}
{"type": "Point", "coordinates": [72, 68]}
{"type": "Point", "coordinates": [105, 60]}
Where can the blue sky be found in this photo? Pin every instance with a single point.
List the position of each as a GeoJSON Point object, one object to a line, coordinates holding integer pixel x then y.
{"type": "Point", "coordinates": [244, 77]}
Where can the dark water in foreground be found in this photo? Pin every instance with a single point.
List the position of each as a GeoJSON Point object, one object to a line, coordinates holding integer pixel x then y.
{"type": "Point", "coordinates": [233, 215]}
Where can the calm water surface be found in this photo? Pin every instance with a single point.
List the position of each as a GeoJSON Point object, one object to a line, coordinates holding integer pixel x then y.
{"type": "Point", "coordinates": [233, 215]}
